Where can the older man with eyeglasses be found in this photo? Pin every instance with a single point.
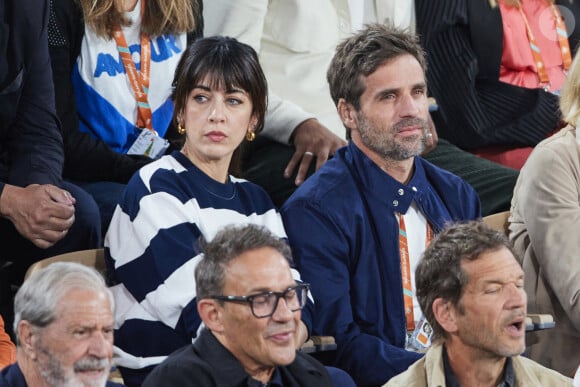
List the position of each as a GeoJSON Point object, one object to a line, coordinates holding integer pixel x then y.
{"type": "Point", "coordinates": [250, 306]}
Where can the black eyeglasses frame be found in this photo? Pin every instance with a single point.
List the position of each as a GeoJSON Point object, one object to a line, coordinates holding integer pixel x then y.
{"type": "Point", "coordinates": [303, 287]}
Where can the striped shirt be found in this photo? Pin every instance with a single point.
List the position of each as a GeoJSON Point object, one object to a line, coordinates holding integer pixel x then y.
{"type": "Point", "coordinates": [152, 248]}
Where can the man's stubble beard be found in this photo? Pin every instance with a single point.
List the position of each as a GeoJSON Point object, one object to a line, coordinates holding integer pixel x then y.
{"type": "Point", "coordinates": [388, 147]}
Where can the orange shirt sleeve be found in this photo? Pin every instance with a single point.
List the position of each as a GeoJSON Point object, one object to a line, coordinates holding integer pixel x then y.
{"type": "Point", "coordinates": [7, 348]}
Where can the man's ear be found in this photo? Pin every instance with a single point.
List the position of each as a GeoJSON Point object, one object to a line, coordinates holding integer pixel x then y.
{"type": "Point", "coordinates": [446, 314]}
{"type": "Point", "coordinates": [211, 314]}
{"type": "Point", "coordinates": [27, 337]}
{"type": "Point", "coordinates": [348, 114]}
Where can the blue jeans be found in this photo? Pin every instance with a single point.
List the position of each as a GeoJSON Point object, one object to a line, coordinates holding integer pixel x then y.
{"type": "Point", "coordinates": [107, 195]}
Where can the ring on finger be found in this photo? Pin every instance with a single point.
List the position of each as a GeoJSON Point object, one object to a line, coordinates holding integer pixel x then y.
{"type": "Point", "coordinates": [308, 153]}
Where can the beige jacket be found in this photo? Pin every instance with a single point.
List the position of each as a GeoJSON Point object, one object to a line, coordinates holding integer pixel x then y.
{"type": "Point", "coordinates": [428, 372]}
{"type": "Point", "coordinates": [545, 230]}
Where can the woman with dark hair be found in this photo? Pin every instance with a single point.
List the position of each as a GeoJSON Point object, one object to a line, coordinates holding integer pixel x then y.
{"type": "Point", "coordinates": [171, 205]}
{"type": "Point", "coordinates": [113, 62]}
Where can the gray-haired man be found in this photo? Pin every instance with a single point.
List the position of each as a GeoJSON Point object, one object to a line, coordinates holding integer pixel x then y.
{"type": "Point", "coordinates": [64, 328]}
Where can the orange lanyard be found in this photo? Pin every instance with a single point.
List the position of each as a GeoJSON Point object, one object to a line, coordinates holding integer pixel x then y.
{"type": "Point", "coordinates": [562, 39]}
{"type": "Point", "coordinates": [406, 269]}
{"type": "Point", "coordinates": [139, 83]}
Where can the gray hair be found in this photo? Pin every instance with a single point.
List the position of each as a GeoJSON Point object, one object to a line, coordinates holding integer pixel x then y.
{"type": "Point", "coordinates": [228, 244]}
{"type": "Point", "coordinates": [37, 299]}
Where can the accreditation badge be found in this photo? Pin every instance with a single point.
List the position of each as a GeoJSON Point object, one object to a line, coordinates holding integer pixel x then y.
{"type": "Point", "coordinates": [149, 144]}
{"type": "Point", "coordinates": [420, 339]}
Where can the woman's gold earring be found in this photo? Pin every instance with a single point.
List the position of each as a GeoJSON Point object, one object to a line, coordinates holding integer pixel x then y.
{"type": "Point", "coordinates": [180, 129]}
{"type": "Point", "coordinates": [250, 135]}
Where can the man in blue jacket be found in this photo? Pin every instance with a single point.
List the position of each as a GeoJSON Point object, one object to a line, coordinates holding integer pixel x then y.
{"type": "Point", "coordinates": [359, 225]}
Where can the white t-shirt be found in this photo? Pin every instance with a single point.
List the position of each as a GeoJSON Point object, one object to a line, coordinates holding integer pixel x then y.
{"type": "Point", "coordinates": [416, 226]}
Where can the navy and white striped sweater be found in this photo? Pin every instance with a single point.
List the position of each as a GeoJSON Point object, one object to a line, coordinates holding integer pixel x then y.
{"type": "Point", "coordinates": [152, 248]}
